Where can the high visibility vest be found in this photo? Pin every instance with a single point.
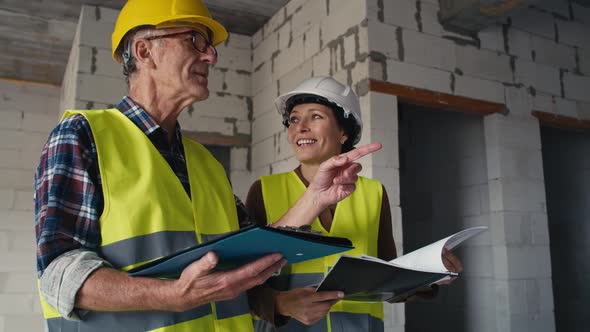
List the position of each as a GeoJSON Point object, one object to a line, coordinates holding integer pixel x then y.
{"type": "Point", "coordinates": [148, 214]}
{"type": "Point", "coordinates": [356, 218]}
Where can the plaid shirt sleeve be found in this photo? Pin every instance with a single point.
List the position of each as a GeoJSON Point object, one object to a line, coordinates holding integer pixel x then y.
{"type": "Point", "coordinates": [68, 197]}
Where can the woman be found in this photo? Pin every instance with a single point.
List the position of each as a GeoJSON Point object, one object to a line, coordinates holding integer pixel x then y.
{"type": "Point", "coordinates": [323, 120]}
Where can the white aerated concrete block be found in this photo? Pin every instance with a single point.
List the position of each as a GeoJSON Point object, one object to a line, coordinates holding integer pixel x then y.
{"type": "Point", "coordinates": [262, 77]}
{"type": "Point", "coordinates": [237, 83]}
{"type": "Point", "coordinates": [501, 131]}
{"type": "Point", "coordinates": [17, 261]}
{"type": "Point", "coordinates": [584, 61]}
{"type": "Point", "coordinates": [263, 101]}
{"type": "Point", "coordinates": [11, 158]}
{"type": "Point", "coordinates": [343, 15]}
{"type": "Point", "coordinates": [98, 60]}
{"type": "Point", "coordinates": [239, 159]}
{"type": "Point", "coordinates": [541, 77]}
{"type": "Point", "coordinates": [293, 78]}
{"type": "Point", "coordinates": [221, 106]}
{"type": "Point", "coordinates": [559, 7]}
{"type": "Point", "coordinates": [11, 139]}
{"type": "Point", "coordinates": [23, 322]}
{"type": "Point", "coordinates": [274, 23]}
{"type": "Point", "coordinates": [263, 153]}
{"type": "Point", "coordinates": [555, 105]}
{"type": "Point", "coordinates": [548, 52]}
{"type": "Point", "coordinates": [266, 126]}
{"type": "Point", "coordinates": [484, 64]}
{"type": "Point", "coordinates": [574, 34]}
{"type": "Point", "coordinates": [322, 63]}
{"type": "Point", "coordinates": [39, 122]}
{"type": "Point", "coordinates": [16, 303]}
{"type": "Point", "coordinates": [577, 87]}
{"type": "Point", "coordinates": [234, 58]}
{"type": "Point", "coordinates": [13, 220]}
{"type": "Point", "coordinates": [284, 35]}
{"type": "Point", "coordinates": [102, 89]}
{"type": "Point", "coordinates": [17, 282]}
{"type": "Point", "coordinates": [516, 163]}
{"type": "Point", "coordinates": [518, 195]}
{"type": "Point", "coordinates": [428, 50]}
{"type": "Point", "coordinates": [581, 13]}
{"type": "Point", "coordinates": [429, 18]}
{"type": "Point", "coordinates": [311, 41]}
{"type": "Point", "coordinates": [583, 110]}
{"type": "Point", "coordinates": [477, 88]}
{"type": "Point", "coordinates": [535, 22]}
{"type": "Point", "coordinates": [23, 199]}
{"type": "Point", "coordinates": [264, 51]}
{"type": "Point", "coordinates": [239, 42]}
{"type": "Point", "coordinates": [492, 38]}
{"type": "Point", "coordinates": [29, 97]}
{"type": "Point", "coordinates": [243, 127]}
{"type": "Point", "coordinates": [288, 58]}
{"type": "Point", "coordinates": [400, 13]}
{"type": "Point", "coordinates": [520, 44]}
{"type": "Point", "coordinates": [349, 48]}
{"type": "Point", "coordinates": [294, 6]}
{"type": "Point", "coordinates": [97, 26]}
{"type": "Point", "coordinates": [418, 76]}
{"type": "Point", "coordinates": [383, 38]}
{"type": "Point", "coordinates": [310, 14]}
{"type": "Point", "coordinates": [11, 120]}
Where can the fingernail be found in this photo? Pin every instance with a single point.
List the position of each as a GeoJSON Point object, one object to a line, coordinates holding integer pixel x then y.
{"type": "Point", "coordinates": [210, 258]}
{"type": "Point", "coordinates": [340, 295]}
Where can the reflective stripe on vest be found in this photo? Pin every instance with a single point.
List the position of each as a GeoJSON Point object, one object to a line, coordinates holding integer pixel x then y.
{"type": "Point", "coordinates": [147, 214]}
{"type": "Point", "coordinates": [356, 218]}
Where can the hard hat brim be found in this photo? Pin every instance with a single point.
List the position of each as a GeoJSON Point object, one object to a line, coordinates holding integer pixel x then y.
{"type": "Point", "coordinates": [218, 31]}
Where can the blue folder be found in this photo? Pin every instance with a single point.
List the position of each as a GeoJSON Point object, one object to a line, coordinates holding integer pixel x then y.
{"type": "Point", "coordinates": [246, 245]}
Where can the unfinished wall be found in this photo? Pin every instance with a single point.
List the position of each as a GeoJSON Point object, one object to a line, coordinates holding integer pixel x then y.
{"type": "Point", "coordinates": [28, 112]}
{"type": "Point", "coordinates": [566, 164]}
{"type": "Point", "coordinates": [444, 188]}
{"type": "Point", "coordinates": [535, 61]}
{"type": "Point", "coordinates": [93, 80]}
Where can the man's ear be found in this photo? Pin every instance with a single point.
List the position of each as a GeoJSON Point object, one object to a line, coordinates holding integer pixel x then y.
{"type": "Point", "coordinates": [141, 49]}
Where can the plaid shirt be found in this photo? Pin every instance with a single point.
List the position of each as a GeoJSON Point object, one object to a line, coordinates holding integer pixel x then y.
{"type": "Point", "coordinates": [68, 189]}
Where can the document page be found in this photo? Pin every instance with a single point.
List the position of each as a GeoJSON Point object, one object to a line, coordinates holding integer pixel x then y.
{"type": "Point", "coordinates": [429, 258]}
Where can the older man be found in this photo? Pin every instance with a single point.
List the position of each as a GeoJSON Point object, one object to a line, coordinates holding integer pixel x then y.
{"type": "Point", "coordinates": [119, 187]}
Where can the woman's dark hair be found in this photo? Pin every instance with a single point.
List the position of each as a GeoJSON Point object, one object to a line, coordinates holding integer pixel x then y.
{"type": "Point", "coordinates": [349, 124]}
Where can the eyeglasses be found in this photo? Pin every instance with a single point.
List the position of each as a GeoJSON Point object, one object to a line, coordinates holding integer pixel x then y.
{"type": "Point", "coordinates": [200, 43]}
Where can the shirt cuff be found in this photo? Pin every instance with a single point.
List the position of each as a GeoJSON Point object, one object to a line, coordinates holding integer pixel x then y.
{"type": "Point", "coordinates": [62, 279]}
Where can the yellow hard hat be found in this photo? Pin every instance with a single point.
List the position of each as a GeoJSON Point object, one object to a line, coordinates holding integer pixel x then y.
{"type": "Point", "coordinates": [164, 14]}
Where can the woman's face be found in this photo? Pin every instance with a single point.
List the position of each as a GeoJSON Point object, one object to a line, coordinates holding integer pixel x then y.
{"type": "Point", "coordinates": [314, 133]}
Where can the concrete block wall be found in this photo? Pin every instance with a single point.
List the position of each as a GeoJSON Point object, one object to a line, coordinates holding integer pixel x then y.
{"type": "Point", "coordinates": [306, 38]}
{"type": "Point", "coordinates": [93, 80]}
{"type": "Point", "coordinates": [534, 61]}
{"type": "Point", "coordinates": [28, 112]}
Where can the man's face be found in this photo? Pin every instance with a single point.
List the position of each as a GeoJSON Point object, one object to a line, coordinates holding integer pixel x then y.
{"type": "Point", "coordinates": [180, 68]}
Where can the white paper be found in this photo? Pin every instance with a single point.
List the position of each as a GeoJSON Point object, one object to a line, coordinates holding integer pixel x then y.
{"type": "Point", "coordinates": [429, 258]}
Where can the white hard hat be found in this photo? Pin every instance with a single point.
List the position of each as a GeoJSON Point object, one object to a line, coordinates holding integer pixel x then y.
{"type": "Point", "coordinates": [335, 92]}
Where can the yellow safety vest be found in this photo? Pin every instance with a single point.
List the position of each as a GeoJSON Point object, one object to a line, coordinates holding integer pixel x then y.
{"type": "Point", "coordinates": [147, 214]}
{"type": "Point", "coordinates": [356, 218]}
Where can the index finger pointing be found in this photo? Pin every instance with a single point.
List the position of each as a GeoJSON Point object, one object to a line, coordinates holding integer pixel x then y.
{"type": "Point", "coordinates": [362, 151]}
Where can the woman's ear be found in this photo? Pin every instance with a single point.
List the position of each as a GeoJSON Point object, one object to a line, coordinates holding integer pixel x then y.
{"type": "Point", "coordinates": [343, 139]}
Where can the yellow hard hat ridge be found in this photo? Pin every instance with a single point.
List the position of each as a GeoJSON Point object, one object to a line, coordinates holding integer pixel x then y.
{"type": "Point", "coordinates": [164, 14]}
